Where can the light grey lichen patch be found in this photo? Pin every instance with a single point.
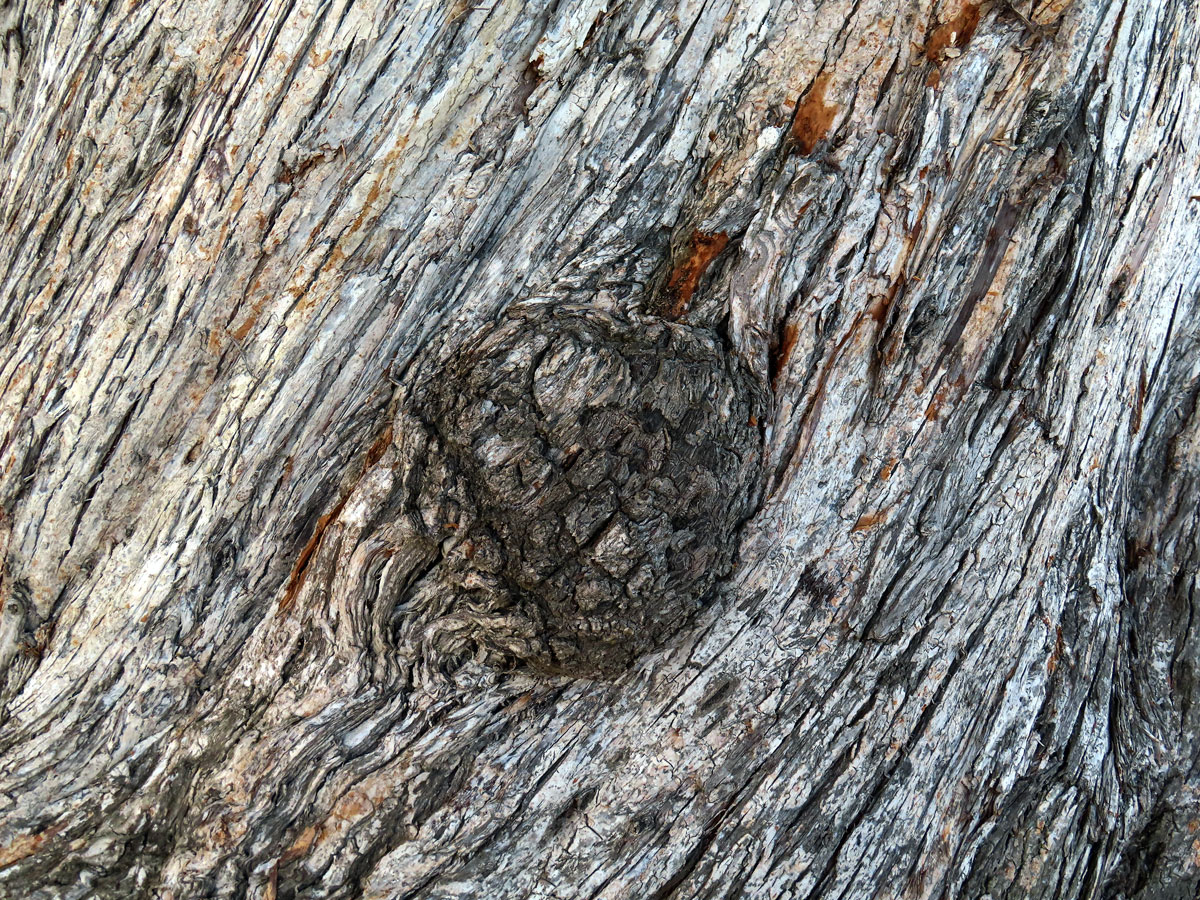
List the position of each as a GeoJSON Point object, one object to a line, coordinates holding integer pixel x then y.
{"type": "Point", "coordinates": [586, 477]}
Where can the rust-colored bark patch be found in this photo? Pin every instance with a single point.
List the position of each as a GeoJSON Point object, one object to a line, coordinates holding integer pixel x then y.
{"type": "Point", "coordinates": [882, 306]}
{"type": "Point", "coordinates": [1056, 655]}
{"type": "Point", "coordinates": [686, 275]}
{"type": "Point", "coordinates": [289, 175]}
{"type": "Point", "coordinates": [24, 845]}
{"type": "Point", "coordinates": [784, 352]}
{"type": "Point", "coordinates": [869, 520]}
{"type": "Point", "coordinates": [814, 116]}
{"type": "Point", "coordinates": [300, 570]}
{"type": "Point", "coordinates": [300, 846]}
{"type": "Point", "coordinates": [952, 390]}
{"type": "Point", "coordinates": [954, 34]}
{"type": "Point", "coordinates": [381, 444]}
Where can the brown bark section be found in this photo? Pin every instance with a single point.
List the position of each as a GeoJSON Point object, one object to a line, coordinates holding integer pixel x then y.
{"type": "Point", "coordinates": [814, 116]}
{"type": "Point", "coordinates": [685, 276]}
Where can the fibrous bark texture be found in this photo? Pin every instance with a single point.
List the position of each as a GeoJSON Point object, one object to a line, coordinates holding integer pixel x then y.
{"type": "Point", "coordinates": [814, 387]}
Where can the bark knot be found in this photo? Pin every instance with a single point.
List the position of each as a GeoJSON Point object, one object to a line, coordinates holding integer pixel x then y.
{"type": "Point", "coordinates": [592, 473]}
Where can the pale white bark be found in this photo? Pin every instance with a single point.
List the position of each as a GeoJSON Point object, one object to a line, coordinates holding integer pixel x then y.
{"type": "Point", "coordinates": [957, 655]}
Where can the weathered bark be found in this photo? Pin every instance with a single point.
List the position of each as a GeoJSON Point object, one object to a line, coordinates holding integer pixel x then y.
{"type": "Point", "coordinates": [951, 248]}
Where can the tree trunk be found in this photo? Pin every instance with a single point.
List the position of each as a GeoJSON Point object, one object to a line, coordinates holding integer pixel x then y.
{"type": "Point", "coordinates": [599, 449]}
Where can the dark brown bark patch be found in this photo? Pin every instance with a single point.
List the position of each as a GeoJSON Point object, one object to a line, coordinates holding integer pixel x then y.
{"type": "Point", "coordinates": [814, 117]}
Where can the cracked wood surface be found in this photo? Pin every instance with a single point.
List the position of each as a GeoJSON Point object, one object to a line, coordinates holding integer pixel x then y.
{"type": "Point", "coordinates": [957, 654]}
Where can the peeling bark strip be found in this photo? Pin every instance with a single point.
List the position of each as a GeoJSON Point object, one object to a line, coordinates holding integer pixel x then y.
{"type": "Point", "coordinates": [311, 545]}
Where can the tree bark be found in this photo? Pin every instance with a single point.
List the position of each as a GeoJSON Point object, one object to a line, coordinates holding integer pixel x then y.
{"type": "Point", "coordinates": [935, 633]}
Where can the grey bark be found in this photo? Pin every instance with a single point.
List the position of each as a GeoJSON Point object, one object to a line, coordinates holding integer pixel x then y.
{"type": "Point", "coordinates": [922, 625]}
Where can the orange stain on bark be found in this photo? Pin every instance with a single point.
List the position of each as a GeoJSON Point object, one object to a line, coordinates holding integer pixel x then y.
{"type": "Point", "coordinates": [353, 806]}
{"type": "Point", "coordinates": [814, 116]}
{"type": "Point", "coordinates": [1050, 11]}
{"type": "Point", "coordinates": [951, 391]}
{"type": "Point", "coordinates": [790, 334]}
{"type": "Point", "coordinates": [686, 275]}
{"type": "Point", "coordinates": [956, 33]}
{"type": "Point", "coordinates": [381, 444]}
{"type": "Point", "coordinates": [1056, 655]}
{"type": "Point", "coordinates": [24, 845]}
{"type": "Point", "coordinates": [300, 570]}
{"type": "Point", "coordinates": [300, 846]}
{"type": "Point", "coordinates": [869, 519]}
